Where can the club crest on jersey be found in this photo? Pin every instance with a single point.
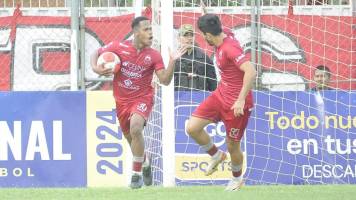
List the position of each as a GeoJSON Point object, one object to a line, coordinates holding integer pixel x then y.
{"type": "Point", "coordinates": [147, 60]}
{"type": "Point", "coordinates": [234, 132]}
{"type": "Point", "coordinates": [142, 107]}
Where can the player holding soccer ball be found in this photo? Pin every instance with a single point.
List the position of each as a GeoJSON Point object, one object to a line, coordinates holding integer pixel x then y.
{"type": "Point", "coordinates": [230, 103]}
{"type": "Point", "coordinates": [132, 88]}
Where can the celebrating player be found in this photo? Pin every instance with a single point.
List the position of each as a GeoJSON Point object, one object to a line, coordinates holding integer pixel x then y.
{"type": "Point", "coordinates": [132, 88]}
{"type": "Point", "coordinates": [230, 103]}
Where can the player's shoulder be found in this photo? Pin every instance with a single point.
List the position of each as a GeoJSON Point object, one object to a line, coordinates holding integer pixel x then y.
{"type": "Point", "coordinates": [231, 46]}
{"type": "Point", "coordinates": [153, 52]}
{"type": "Point", "coordinates": [125, 44]}
{"type": "Point", "coordinates": [231, 42]}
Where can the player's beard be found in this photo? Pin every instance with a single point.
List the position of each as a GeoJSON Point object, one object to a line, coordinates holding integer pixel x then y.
{"type": "Point", "coordinates": [148, 41]}
{"type": "Point", "coordinates": [210, 42]}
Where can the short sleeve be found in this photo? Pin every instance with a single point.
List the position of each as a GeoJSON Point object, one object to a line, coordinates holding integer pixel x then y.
{"type": "Point", "coordinates": [236, 55]}
{"type": "Point", "coordinates": [111, 47]}
{"type": "Point", "coordinates": [158, 62]}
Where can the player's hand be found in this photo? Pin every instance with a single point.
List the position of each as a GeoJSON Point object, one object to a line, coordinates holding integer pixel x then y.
{"type": "Point", "coordinates": [101, 70]}
{"type": "Point", "coordinates": [238, 107]}
{"type": "Point", "coordinates": [177, 54]}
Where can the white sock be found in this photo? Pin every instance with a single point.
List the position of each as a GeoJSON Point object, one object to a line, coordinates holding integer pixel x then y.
{"type": "Point", "coordinates": [138, 173]}
{"type": "Point", "coordinates": [217, 155]}
{"type": "Point", "coordinates": [237, 178]}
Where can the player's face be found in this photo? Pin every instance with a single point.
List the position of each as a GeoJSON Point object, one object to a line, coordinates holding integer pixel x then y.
{"type": "Point", "coordinates": [144, 33]}
{"type": "Point", "coordinates": [209, 39]}
{"type": "Point", "coordinates": [187, 40]}
{"type": "Point", "coordinates": [321, 78]}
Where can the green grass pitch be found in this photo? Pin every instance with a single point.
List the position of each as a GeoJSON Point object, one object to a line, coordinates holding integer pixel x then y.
{"type": "Point", "coordinates": [305, 192]}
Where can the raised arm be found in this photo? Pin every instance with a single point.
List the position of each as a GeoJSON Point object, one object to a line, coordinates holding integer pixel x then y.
{"type": "Point", "coordinates": [165, 75]}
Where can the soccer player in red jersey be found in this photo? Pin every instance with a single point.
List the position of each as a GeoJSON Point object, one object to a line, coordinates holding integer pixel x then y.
{"type": "Point", "coordinates": [132, 88]}
{"type": "Point", "coordinates": [230, 103]}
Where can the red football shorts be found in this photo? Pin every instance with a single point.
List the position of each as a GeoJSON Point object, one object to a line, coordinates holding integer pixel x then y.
{"type": "Point", "coordinates": [211, 109]}
{"type": "Point", "coordinates": [141, 106]}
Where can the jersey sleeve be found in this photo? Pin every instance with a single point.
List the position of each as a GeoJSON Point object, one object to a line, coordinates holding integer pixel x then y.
{"type": "Point", "coordinates": [236, 55]}
{"type": "Point", "coordinates": [111, 47]}
{"type": "Point", "coordinates": [158, 62]}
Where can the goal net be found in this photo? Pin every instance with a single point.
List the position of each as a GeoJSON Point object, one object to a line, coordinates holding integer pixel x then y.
{"type": "Point", "coordinates": [296, 135]}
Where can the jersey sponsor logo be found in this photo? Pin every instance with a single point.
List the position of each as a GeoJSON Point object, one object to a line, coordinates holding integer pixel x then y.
{"type": "Point", "coordinates": [130, 74]}
{"type": "Point", "coordinates": [128, 82]}
{"type": "Point", "coordinates": [142, 107]}
{"type": "Point", "coordinates": [133, 67]}
{"type": "Point", "coordinates": [130, 87]}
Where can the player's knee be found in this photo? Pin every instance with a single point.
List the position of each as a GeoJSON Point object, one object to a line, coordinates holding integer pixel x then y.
{"type": "Point", "coordinates": [135, 131]}
{"type": "Point", "coordinates": [191, 129]}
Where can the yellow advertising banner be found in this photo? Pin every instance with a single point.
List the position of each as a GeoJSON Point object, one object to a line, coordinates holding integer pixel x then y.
{"type": "Point", "coordinates": [106, 149]}
{"type": "Point", "coordinates": [193, 167]}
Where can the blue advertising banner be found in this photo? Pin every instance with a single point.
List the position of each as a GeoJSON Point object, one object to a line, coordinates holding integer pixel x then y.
{"type": "Point", "coordinates": [42, 139]}
{"type": "Point", "coordinates": [292, 138]}
{"type": "Point", "coordinates": [302, 137]}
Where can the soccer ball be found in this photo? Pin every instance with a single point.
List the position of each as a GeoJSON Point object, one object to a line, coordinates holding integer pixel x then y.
{"type": "Point", "coordinates": [110, 60]}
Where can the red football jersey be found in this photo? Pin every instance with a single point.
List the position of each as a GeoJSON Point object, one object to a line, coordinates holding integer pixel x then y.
{"type": "Point", "coordinates": [229, 56]}
{"type": "Point", "coordinates": [134, 78]}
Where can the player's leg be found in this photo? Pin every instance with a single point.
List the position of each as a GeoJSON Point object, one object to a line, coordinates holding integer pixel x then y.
{"type": "Point", "coordinates": [235, 129]}
{"type": "Point", "coordinates": [137, 123]}
{"type": "Point", "coordinates": [141, 111]}
{"type": "Point", "coordinates": [237, 158]}
{"type": "Point", "coordinates": [128, 137]}
{"type": "Point", "coordinates": [146, 166]}
{"type": "Point", "coordinates": [125, 119]}
{"type": "Point", "coordinates": [205, 114]}
{"type": "Point", "coordinates": [123, 115]}
{"type": "Point", "coordinates": [195, 129]}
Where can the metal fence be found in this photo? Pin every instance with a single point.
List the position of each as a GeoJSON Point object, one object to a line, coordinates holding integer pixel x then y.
{"type": "Point", "coordinates": [177, 3]}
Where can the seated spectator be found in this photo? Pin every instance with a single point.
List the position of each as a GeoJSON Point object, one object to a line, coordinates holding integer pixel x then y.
{"type": "Point", "coordinates": [322, 78]}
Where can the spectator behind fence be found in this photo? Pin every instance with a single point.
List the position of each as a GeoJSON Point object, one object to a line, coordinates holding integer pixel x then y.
{"type": "Point", "coordinates": [194, 70]}
{"type": "Point", "coordinates": [321, 78]}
